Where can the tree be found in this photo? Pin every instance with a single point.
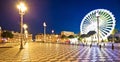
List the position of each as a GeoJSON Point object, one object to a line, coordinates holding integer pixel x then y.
{"type": "Point", "coordinates": [90, 33]}
{"type": "Point", "coordinates": [7, 34]}
{"type": "Point", "coordinates": [71, 36]}
{"type": "Point", "coordinates": [83, 36]}
{"type": "Point", "coordinates": [113, 34]}
{"type": "Point", "coordinates": [63, 36]}
{"type": "Point", "coordinates": [109, 38]}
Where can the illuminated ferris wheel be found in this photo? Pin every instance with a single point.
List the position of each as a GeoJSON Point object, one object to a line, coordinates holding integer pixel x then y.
{"type": "Point", "coordinates": [106, 23]}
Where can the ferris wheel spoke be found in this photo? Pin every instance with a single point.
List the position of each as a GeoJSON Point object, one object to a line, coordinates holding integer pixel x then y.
{"type": "Point", "coordinates": [102, 34]}
{"type": "Point", "coordinates": [88, 20]}
{"type": "Point", "coordinates": [110, 23]}
{"type": "Point", "coordinates": [107, 31]}
{"type": "Point", "coordinates": [93, 15]}
{"type": "Point", "coordinates": [102, 27]}
{"type": "Point", "coordinates": [105, 15]}
{"type": "Point", "coordinates": [104, 18]}
{"type": "Point", "coordinates": [103, 31]}
{"type": "Point", "coordinates": [109, 20]}
{"type": "Point", "coordinates": [109, 26]}
{"type": "Point", "coordinates": [108, 17]}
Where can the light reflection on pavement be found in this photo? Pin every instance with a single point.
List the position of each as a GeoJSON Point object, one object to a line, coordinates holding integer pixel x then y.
{"type": "Point", "coordinates": [47, 52]}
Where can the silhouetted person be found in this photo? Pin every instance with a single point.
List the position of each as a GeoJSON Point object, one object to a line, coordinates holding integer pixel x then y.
{"type": "Point", "coordinates": [112, 46]}
{"type": "Point", "coordinates": [83, 45]}
{"type": "Point", "coordinates": [99, 46]}
{"type": "Point", "coordinates": [90, 45]}
{"type": "Point", "coordinates": [104, 44]}
{"type": "Point", "coordinates": [86, 44]}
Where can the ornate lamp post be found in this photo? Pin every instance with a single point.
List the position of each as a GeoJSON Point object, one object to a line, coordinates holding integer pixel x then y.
{"type": "Point", "coordinates": [22, 8]}
{"type": "Point", "coordinates": [52, 35]}
{"type": "Point", "coordinates": [97, 15]}
{"type": "Point", "coordinates": [44, 24]}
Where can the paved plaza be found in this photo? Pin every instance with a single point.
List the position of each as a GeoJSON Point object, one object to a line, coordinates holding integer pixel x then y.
{"type": "Point", "coordinates": [47, 52]}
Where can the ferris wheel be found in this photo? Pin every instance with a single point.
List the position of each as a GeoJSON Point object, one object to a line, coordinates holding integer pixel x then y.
{"type": "Point", "coordinates": [106, 23]}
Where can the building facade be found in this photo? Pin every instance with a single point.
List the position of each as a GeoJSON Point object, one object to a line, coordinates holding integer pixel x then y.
{"type": "Point", "coordinates": [17, 37]}
{"type": "Point", "coordinates": [46, 38]}
{"type": "Point", "coordinates": [67, 33]}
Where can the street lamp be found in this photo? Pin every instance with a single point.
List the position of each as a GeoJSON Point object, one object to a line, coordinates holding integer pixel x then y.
{"type": "Point", "coordinates": [0, 32]}
{"type": "Point", "coordinates": [52, 35]}
{"type": "Point", "coordinates": [52, 31]}
{"type": "Point", "coordinates": [44, 24]}
{"type": "Point", "coordinates": [25, 26]}
{"type": "Point", "coordinates": [0, 28]}
{"type": "Point", "coordinates": [22, 8]}
{"type": "Point", "coordinates": [97, 15]}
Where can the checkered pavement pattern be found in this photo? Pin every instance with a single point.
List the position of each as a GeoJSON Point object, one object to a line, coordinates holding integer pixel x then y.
{"type": "Point", "coordinates": [47, 52]}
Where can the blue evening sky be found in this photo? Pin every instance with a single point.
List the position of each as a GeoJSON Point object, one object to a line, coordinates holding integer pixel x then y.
{"type": "Point", "coordinates": [59, 15]}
